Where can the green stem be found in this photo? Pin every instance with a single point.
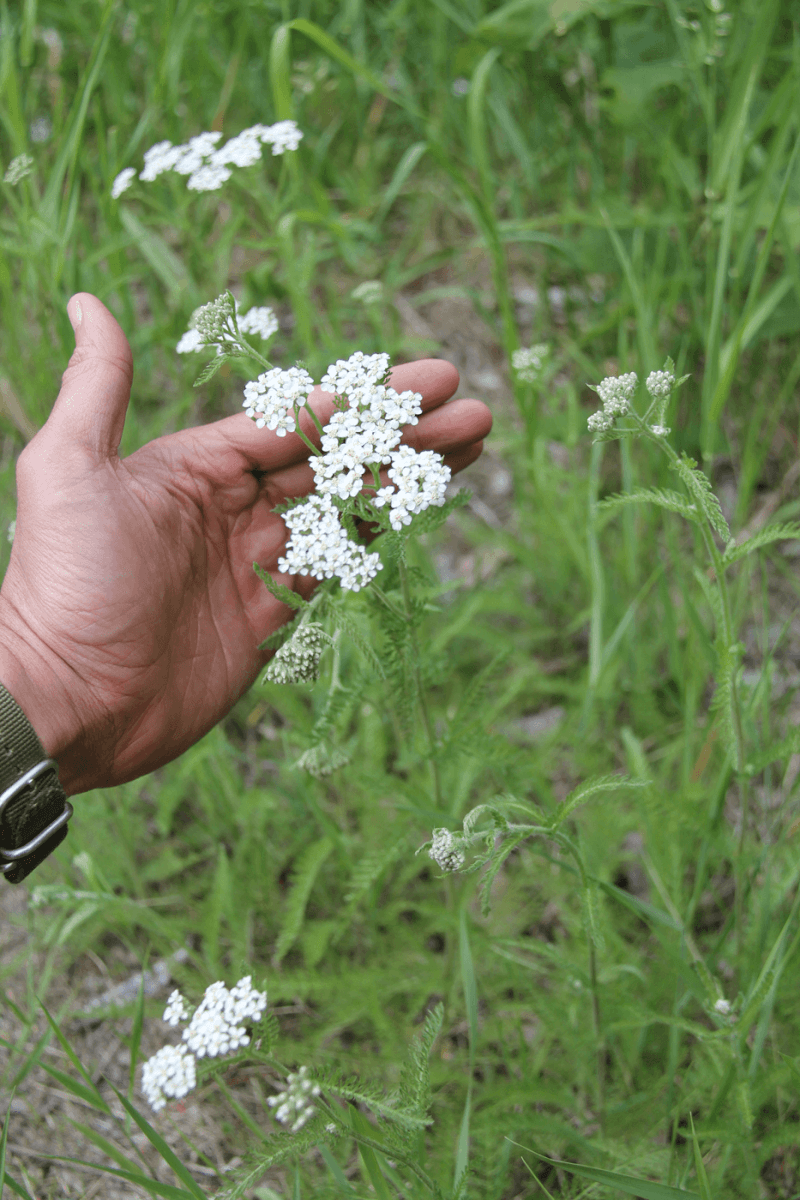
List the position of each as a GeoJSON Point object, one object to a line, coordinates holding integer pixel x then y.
{"type": "Point", "coordinates": [728, 639]}
{"type": "Point", "coordinates": [599, 1042]}
{"type": "Point", "coordinates": [437, 787]}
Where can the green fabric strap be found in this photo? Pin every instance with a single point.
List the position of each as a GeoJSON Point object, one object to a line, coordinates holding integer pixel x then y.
{"type": "Point", "coordinates": [39, 806]}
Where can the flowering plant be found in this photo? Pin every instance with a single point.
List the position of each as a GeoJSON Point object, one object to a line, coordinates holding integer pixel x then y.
{"type": "Point", "coordinates": [219, 1026]}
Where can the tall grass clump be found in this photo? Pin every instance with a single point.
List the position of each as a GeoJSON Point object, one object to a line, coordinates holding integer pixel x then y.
{"type": "Point", "coordinates": [490, 887]}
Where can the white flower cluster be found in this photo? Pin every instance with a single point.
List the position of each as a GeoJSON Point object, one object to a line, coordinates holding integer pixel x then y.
{"type": "Point", "coordinates": [270, 399]}
{"type": "Point", "coordinates": [294, 1103]}
{"type": "Point", "coordinates": [18, 168]}
{"type": "Point", "coordinates": [260, 321]}
{"type": "Point", "coordinates": [359, 435]}
{"type": "Point", "coordinates": [723, 1006]}
{"type": "Point", "coordinates": [446, 850]}
{"type": "Point", "coordinates": [528, 363]}
{"type": "Point", "coordinates": [297, 660]}
{"type": "Point", "coordinates": [215, 1029]}
{"type": "Point", "coordinates": [616, 393]}
{"type": "Point", "coordinates": [168, 1075]}
{"type": "Point", "coordinates": [206, 166]}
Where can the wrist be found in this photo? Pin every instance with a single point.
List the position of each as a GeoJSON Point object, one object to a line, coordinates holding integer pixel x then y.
{"type": "Point", "coordinates": [44, 698]}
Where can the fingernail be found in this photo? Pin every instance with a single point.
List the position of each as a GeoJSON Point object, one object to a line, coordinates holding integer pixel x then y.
{"type": "Point", "coordinates": [76, 316]}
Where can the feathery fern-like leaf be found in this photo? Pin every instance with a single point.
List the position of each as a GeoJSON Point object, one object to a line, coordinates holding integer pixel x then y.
{"type": "Point", "coordinates": [772, 533]}
{"type": "Point", "coordinates": [700, 485]}
{"type": "Point", "coordinates": [304, 875]}
{"type": "Point", "coordinates": [661, 496]}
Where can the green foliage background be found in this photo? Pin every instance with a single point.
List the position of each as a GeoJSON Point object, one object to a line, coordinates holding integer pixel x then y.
{"type": "Point", "coordinates": [653, 145]}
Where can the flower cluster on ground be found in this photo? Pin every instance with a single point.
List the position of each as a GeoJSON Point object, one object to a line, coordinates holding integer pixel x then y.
{"type": "Point", "coordinates": [207, 167]}
{"type": "Point", "coordinates": [218, 1027]}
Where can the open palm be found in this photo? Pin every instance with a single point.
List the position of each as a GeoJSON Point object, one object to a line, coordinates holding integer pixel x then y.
{"type": "Point", "coordinates": [131, 584]}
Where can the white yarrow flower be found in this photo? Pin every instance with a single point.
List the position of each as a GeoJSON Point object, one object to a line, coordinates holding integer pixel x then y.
{"type": "Point", "coordinates": [260, 321]}
{"type": "Point", "coordinates": [215, 1027]}
{"type": "Point", "coordinates": [207, 166]}
{"type": "Point", "coordinates": [723, 1006]}
{"type": "Point", "coordinates": [269, 400]}
{"type": "Point", "coordinates": [169, 1074]}
{"type": "Point", "coordinates": [176, 1009]}
{"type": "Point", "coordinates": [446, 850]}
{"type": "Point", "coordinates": [616, 393]}
{"type": "Point", "coordinates": [122, 182]}
{"type": "Point", "coordinates": [294, 1103]}
{"type": "Point", "coordinates": [659, 383]}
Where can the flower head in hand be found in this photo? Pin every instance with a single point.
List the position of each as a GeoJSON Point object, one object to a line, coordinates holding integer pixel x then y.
{"type": "Point", "coordinates": [130, 613]}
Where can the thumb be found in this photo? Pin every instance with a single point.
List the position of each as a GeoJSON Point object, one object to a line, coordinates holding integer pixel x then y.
{"type": "Point", "coordinates": [95, 391]}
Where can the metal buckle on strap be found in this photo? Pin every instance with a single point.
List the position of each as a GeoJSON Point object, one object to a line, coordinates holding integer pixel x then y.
{"type": "Point", "coordinates": [35, 842]}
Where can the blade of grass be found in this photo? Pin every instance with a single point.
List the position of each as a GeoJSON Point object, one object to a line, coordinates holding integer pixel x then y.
{"type": "Point", "coordinates": [643, 1189]}
{"type": "Point", "coordinates": [156, 1140]}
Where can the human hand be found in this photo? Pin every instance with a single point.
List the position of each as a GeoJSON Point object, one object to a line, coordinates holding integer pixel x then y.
{"type": "Point", "coordinates": [130, 613]}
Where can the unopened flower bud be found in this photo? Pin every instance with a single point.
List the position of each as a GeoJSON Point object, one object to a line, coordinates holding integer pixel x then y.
{"type": "Point", "coordinates": [297, 661]}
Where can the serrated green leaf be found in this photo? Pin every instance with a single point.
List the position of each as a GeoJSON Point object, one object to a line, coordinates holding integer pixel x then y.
{"type": "Point", "coordinates": [604, 783]}
{"type": "Point", "coordinates": [700, 485]}
{"type": "Point", "coordinates": [279, 590]}
{"type": "Point", "coordinates": [211, 369]}
{"type": "Point", "coordinates": [495, 865]}
{"type": "Point", "coordinates": [664, 497]}
{"type": "Point", "coordinates": [350, 628]}
{"type": "Point", "coordinates": [772, 533]}
{"type": "Point", "coordinates": [776, 751]}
